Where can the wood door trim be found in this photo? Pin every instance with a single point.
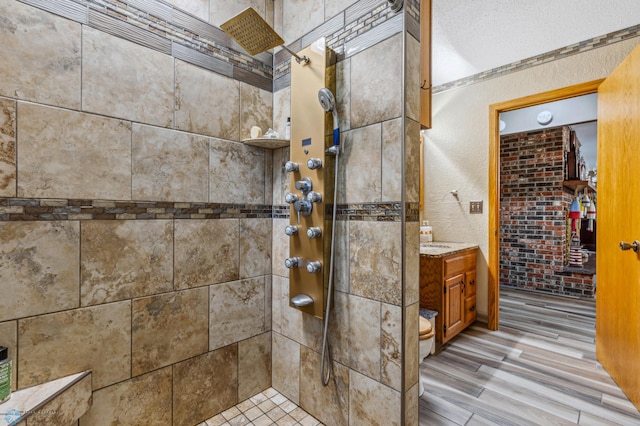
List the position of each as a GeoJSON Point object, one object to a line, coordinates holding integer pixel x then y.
{"type": "Point", "coordinates": [494, 180]}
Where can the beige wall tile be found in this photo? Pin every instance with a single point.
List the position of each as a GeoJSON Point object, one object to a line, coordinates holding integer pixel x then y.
{"type": "Point", "coordinates": [412, 263]}
{"type": "Point", "coordinates": [281, 110]}
{"type": "Point", "coordinates": [9, 339]}
{"type": "Point", "coordinates": [40, 56]}
{"type": "Point", "coordinates": [254, 366]}
{"type": "Point", "coordinates": [142, 400]}
{"type": "Point", "coordinates": [391, 347]}
{"type": "Point", "coordinates": [256, 109]}
{"type": "Point", "coordinates": [333, 7]}
{"type": "Point", "coordinates": [277, 17]}
{"type": "Point", "coordinates": [96, 338]}
{"type": "Point", "coordinates": [355, 333]}
{"type": "Point", "coordinates": [198, 8]}
{"type": "Point", "coordinates": [237, 173]}
{"type": "Point", "coordinates": [376, 83]}
{"type": "Point", "coordinates": [66, 408]}
{"type": "Point", "coordinates": [280, 248]}
{"type": "Point", "coordinates": [300, 16]}
{"type": "Point", "coordinates": [412, 415]}
{"type": "Point", "coordinates": [342, 257]}
{"type": "Point", "coordinates": [375, 260]}
{"type": "Point", "coordinates": [66, 154]}
{"type": "Point", "coordinates": [255, 247]}
{"type": "Point", "coordinates": [169, 165]}
{"type": "Point", "coordinates": [277, 286]}
{"type": "Point", "coordinates": [39, 264]}
{"type": "Point", "coordinates": [360, 169]}
{"type": "Point", "coordinates": [125, 80]}
{"type": "Point", "coordinates": [205, 386]}
{"type": "Point", "coordinates": [392, 177]}
{"type": "Point", "coordinates": [343, 93]}
{"type": "Point", "coordinates": [412, 161]}
{"type": "Point", "coordinates": [199, 95]}
{"type": "Point", "coordinates": [222, 11]}
{"type": "Point", "coordinates": [371, 402]}
{"type": "Point", "coordinates": [206, 252]}
{"type": "Point", "coordinates": [285, 367]}
{"type": "Point", "coordinates": [236, 311]}
{"type": "Point", "coordinates": [125, 259]}
{"type": "Point", "coordinates": [412, 81]}
{"type": "Point", "coordinates": [7, 147]}
{"type": "Point", "coordinates": [330, 403]}
{"type": "Point", "coordinates": [411, 329]}
{"type": "Point", "coordinates": [168, 328]}
{"type": "Point", "coordinates": [268, 300]}
{"type": "Point", "coordinates": [281, 183]}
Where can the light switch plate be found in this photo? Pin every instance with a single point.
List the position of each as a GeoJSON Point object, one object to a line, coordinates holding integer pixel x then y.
{"type": "Point", "coordinates": [475, 207]}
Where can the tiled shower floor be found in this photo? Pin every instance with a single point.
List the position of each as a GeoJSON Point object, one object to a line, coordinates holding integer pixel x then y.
{"type": "Point", "coordinates": [266, 408]}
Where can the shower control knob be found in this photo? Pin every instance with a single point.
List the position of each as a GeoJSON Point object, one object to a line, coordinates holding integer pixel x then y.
{"type": "Point", "coordinates": [304, 185]}
{"type": "Point", "coordinates": [303, 207]}
{"type": "Point", "coordinates": [314, 197]}
{"type": "Point", "coordinates": [314, 163]}
{"type": "Point", "coordinates": [291, 198]}
{"type": "Point", "coordinates": [292, 262]}
{"type": "Point", "coordinates": [313, 267]}
{"type": "Point", "coordinates": [291, 230]}
{"type": "Point", "coordinates": [290, 166]}
{"type": "Point", "coordinates": [314, 232]}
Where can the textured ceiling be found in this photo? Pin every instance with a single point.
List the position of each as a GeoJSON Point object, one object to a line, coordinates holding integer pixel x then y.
{"type": "Point", "coordinates": [471, 36]}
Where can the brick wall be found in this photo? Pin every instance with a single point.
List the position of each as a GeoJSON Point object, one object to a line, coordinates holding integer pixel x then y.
{"type": "Point", "coordinates": [533, 215]}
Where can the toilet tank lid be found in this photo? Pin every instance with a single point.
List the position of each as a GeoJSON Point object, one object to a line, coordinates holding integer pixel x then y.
{"type": "Point", "coordinates": [427, 313]}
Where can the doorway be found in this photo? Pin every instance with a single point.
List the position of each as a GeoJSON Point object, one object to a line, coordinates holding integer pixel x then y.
{"type": "Point", "coordinates": [494, 180]}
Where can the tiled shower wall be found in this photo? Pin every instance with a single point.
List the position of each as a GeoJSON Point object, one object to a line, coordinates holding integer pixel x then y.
{"type": "Point", "coordinates": [534, 205]}
{"type": "Point", "coordinates": [377, 267]}
{"type": "Point", "coordinates": [139, 232]}
{"type": "Point", "coordinates": [136, 230]}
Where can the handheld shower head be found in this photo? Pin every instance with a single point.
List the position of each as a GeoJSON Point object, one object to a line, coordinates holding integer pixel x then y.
{"type": "Point", "coordinates": [328, 103]}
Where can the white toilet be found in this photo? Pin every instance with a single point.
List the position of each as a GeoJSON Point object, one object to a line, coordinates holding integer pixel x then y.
{"type": "Point", "coordinates": [427, 336]}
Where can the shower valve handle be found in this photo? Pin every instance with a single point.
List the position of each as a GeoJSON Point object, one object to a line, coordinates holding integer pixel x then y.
{"type": "Point", "coordinates": [314, 232]}
{"type": "Point", "coordinates": [304, 185]}
{"type": "Point", "coordinates": [314, 197]}
{"type": "Point", "coordinates": [291, 198]}
{"type": "Point", "coordinates": [314, 267]}
{"type": "Point", "coordinates": [291, 166]}
{"type": "Point", "coordinates": [291, 230]}
{"type": "Point", "coordinates": [292, 262]}
{"type": "Point", "coordinates": [314, 163]}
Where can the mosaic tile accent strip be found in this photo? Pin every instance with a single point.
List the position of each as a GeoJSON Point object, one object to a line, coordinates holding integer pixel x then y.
{"type": "Point", "coordinates": [43, 209]}
{"type": "Point", "coordinates": [544, 58]}
{"type": "Point", "coordinates": [30, 209]}
{"type": "Point", "coordinates": [162, 27]}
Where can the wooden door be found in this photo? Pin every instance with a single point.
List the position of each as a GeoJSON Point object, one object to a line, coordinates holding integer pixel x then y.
{"type": "Point", "coordinates": [618, 216]}
{"type": "Point", "coordinates": [453, 306]}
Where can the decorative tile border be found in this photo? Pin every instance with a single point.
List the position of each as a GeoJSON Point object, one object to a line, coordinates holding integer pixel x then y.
{"type": "Point", "coordinates": [554, 55]}
{"type": "Point", "coordinates": [31, 209]}
{"type": "Point", "coordinates": [38, 209]}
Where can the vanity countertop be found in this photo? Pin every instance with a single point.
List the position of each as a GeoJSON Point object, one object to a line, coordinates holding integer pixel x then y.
{"type": "Point", "coordinates": [444, 248]}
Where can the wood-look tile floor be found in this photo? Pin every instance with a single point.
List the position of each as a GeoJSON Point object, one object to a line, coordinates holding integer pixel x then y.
{"type": "Point", "coordinates": [540, 368]}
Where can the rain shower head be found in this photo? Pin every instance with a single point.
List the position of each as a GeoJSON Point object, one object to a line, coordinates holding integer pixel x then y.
{"type": "Point", "coordinates": [328, 103]}
{"type": "Point", "coordinates": [254, 35]}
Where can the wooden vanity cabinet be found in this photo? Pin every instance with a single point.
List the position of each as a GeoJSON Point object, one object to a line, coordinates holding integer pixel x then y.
{"type": "Point", "coordinates": [448, 285]}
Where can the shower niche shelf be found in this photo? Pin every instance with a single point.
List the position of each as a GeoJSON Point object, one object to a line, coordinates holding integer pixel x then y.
{"type": "Point", "coordinates": [270, 143]}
